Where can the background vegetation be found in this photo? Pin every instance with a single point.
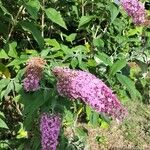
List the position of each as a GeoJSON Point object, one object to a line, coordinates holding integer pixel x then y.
{"type": "Point", "coordinates": [93, 35]}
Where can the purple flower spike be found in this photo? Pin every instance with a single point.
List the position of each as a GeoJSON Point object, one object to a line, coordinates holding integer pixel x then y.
{"type": "Point", "coordinates": [136, 10]}
{"type": "Point", "coordinates": [50, 127]}
{"type": "Point", "coordinates": [33, 73]}
{"type": "Point", "coordinates": [82, 85]}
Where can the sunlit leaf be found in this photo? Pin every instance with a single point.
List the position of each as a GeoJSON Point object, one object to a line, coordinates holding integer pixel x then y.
{"type": "Point", "coordinates": [84, 20]}
{"type": "Point", "coordinates": [3, 54]}
{"type": "Point", "coordinates": [4, 71]}
{"type": "Point", "coordinates": [55, 17]}
{"type": "Point", "coordinates": [12, 50]}
{"type": "Point", "coordinates": [104, 58]}
{"type": "Point", "coordinates": [114, 11]}
{"type": "Point", "coordinates": [117, 66]}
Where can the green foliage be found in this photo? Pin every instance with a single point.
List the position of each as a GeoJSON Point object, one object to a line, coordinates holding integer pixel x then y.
{"type": "Point", "coordinates": [96, 36]}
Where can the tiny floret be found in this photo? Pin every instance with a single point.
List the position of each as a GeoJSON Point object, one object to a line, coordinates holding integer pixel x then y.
{"type": "Point", "coordinates": [76, 84]}
{"type": "Point", "coordinates": [49, 127]}
{"type": "Point", "coordinates": [135, 10]}
{"type": "Point", "coordinates": [33, 73]}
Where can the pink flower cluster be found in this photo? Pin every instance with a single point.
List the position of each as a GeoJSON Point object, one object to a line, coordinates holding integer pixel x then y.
{"type": "Point", "coordinates": [135, 9]}
{"type": "Point", "coordinates": [82, 85]}
{"type": "Point", "coordinates": [33, 73]}
{"type": "Point", "coordinates": [50, 127]}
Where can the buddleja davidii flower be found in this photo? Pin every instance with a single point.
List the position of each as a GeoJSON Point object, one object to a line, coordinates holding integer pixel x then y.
{"type": "Point", "coordinates": [135, 9]}
{"type": "Point", "coordinates": [50, 125]}
{"type": "Point", "coordinates": [33, 73]}
{"type": "Point", "coordinates": [82, 85]}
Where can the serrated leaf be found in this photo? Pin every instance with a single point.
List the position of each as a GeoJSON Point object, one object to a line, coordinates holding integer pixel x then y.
{"type": "Point", "coordinates": [33, 7]}
{"type": "Point", "coordinates": [84, 20]}
{"type": "Point", "coordinates": [130, 86]}
{"type": "Point", "coordinates": [32, 28]}
{"type": "Point", "coordinates": [117, 66]}
{"type": "Point", "coordinates": [55, 17]}
{"type": "Point", "coordinates": [104, 58]}
{"type": "Point", "coordinates": [3, 54]}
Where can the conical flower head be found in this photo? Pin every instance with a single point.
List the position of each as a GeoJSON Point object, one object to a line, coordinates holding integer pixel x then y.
{"type": "Point", "coordinates": [33, 73]}
{"type": "Point", "coordinates": [82, 85]}
{"type": "Point", "coordinates": [49, 127]}
{"type": "Point", "coordinates": [136, 10]}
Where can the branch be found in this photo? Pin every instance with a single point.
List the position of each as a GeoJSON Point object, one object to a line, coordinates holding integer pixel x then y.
{"type": "Point", "coordinates": [14, 23]}
{"type": "Point", "coordinates": [43, 18]}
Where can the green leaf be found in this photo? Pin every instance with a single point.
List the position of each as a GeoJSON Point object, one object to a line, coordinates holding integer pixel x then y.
{"type": "Point", "coordinates": [74, 62]}
{"type": "Point", "coordinates": [33, 7]}
{"type": "Point", "coordinates": [98, 42]}
{"type": "Point", "coordinates": [17, 62]}
{"type": "Point", "coordinates": [114, 11]}
{"type": "Point", "coordinates": [94, 118]}
{"type": "Point", "coordinates": [4, 83]}
{"type": "Point", "coordinates": [69, 118]}
{"type": "Point", "coordinates": [4, 71]}
{"type": "Point", "coordinates": [3, 124]}
{"type": "Point", "coordinates": [88, 112]}
{"type": "Point", "coordinates": [104, 58]}
{"type": "Point", "coordinates": [12, 50]}
{"type": "Point", "coordinates": [22, 133]}
{"type": "Point", "coordinates": [84, 20]}
{"type": "Point", "coordinates": [71, 37]}
{"type": "Point", "coordinates": [81, 132]}
{"type": "Point", "coordinates": [104, 124]}
{"type": "Point", "coordinates": [142, 65]}
{"type": "Point", "coordinates": [91, 63]}
{"type": "Point", "coordinates": [32, 28]}
{"type": "Point", "coordinates": [52, 42]}
{"type": "Point", "coordinates": [32, 101]}
{"type": "Point", "coordinates": [35, 142]}
{"type": "Point", "coordinates": [55, 17]}
{"type": "Point", "coordinates": [9, 88]}
{"type": "Point", "coordinates": [117, 66]}
{"type": "Point", "coordinates": [45, 52]}
{"type": "Point", "coordinates": [3, 54]}
{"type": "Point", "coordinates": [129, 84]}
{"type": "Point", "coordinates": [137, 30]}
{"type": "Point", "coordinates": [4, 9]}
